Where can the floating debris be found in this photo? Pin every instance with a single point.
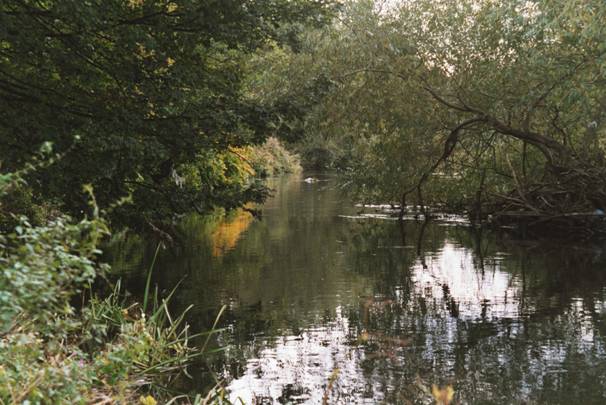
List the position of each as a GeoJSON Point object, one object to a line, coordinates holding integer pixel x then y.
{"type": "Point", "coordinates": [370, 216]}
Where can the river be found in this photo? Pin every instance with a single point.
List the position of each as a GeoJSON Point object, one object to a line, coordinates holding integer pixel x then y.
{"type": "Point", "coordinates": [325, 304]}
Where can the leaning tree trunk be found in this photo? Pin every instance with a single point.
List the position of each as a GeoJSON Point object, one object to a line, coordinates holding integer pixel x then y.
{"type": "Point", "coordinates": [569, 199]}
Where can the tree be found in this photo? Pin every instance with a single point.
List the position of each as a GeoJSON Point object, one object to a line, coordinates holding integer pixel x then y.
{"type": "Point", "coordinates": [142, 98]}
{"type": "Point", "coordinates": [476, 105]}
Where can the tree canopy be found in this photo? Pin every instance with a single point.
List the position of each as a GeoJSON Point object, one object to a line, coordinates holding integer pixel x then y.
{"type": "Point", "coordinates": [141, 98]}
{"type": "Point", "coordinates": [462, 103]}
{"type": "Point", "coordinates": [476, 105]}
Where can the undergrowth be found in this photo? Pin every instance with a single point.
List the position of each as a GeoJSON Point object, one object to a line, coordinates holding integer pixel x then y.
{"type": "Point", "coordinates": [61, 343]}
{"type": "Point", "coordinates": [273, 159]}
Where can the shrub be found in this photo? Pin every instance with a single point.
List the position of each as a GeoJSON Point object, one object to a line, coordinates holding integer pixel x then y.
{"type": "Point", "coordinates": [272, 159]}
{"type": "Point", "coordinates": [104, 350]}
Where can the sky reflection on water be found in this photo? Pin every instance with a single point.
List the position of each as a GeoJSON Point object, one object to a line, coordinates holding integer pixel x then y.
{"type": "Point", "coordinates": [323, 301]}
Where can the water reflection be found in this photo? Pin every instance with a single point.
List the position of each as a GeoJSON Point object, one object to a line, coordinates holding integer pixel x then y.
{"type": "Point", "coordinates": [324, 303]}
{"type": "Point", "coordinates": [451, 274]}
{"type": "Point", "coordinates": [227, 232]}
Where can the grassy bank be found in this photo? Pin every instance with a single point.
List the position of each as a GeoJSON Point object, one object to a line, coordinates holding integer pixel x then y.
{"type": "Point", "coordinates": [60, 342]}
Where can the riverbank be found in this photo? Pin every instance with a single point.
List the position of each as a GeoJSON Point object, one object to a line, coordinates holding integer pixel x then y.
{"type": "Point", "coordinates": [63, 342]}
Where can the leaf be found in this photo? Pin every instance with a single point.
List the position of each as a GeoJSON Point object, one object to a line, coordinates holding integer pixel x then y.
{"type": "Point", "coordinates": [148, 400]}
{"type": "Point", "coordinates": [171, 7]}
{"type": "Point", "coordinates": [443, 396]}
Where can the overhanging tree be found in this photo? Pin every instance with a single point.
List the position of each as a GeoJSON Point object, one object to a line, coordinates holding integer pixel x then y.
{"type": "Point", "coordinates": [141, 97]}
{"type": "Point", "coordinates": [470, 104]}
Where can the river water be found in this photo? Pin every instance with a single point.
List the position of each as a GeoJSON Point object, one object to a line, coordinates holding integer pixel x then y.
{"type": "Point", "coordinates": [324, 304]}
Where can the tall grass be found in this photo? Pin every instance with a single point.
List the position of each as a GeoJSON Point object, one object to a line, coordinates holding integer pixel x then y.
{"type": "Point", "coordinates": [106, 350]}
{"type": "Point", "coordinates": [149, 276]}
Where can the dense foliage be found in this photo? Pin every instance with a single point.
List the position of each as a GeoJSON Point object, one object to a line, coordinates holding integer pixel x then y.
{"type": "Point", "coordinates": [62, 343]}
{"type": "Point", "coordinates": [170, 107]}
{"type": "Point", "coordinates": [471, 104]}
{"type": "Point", "coordinates": [144, 98]}
{"type": "Point", "coordinates": [146, 103]}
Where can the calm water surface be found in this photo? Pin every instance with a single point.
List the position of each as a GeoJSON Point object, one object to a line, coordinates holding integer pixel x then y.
{"type": "Point", "coordinates": [326, 304]}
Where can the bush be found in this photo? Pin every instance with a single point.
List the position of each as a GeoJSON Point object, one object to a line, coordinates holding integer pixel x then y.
{"type": "Point", "coordinates": [103, 350]}
{"type": "Point", "coordinates": [272, 159]}
{"type": "Point", "coordinates": [43, 268]}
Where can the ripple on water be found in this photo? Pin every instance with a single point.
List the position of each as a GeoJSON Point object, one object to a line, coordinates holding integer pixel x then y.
{"type": "Point", "coordinates": [363, 310]}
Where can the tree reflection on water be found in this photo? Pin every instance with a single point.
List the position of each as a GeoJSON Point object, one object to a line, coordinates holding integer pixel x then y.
{"type": "Point", "coordinates": [322, 307]}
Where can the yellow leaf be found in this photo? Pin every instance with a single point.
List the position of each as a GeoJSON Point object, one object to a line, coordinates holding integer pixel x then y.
{"type": "Point", "coordinates": [148, 400]}
{"type": "Point", "coordinates": [133, 4]}
{"type": "Point", "coordinates": [171, 7]}
{"type": "Point", "coordinates": [443, 396]}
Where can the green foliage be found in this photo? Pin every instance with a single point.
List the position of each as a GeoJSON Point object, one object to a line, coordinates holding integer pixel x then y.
{"type": "Point", "coordinates": [145, 87]}
{"type": "Point", "coordinates": [103, 349]}
{"type": "Point", "coordinates": [272, 159]}
{"type": "Point", "coordinates": [17, 197]}
{"type": "Point", "coordinates": [294, 84]}
{"type": "Point", "coordinates": [20, 201]}
{"type": "Point", "coordinates": [43, 268]}
{"type": "Point", "coordinates": [475, 99]}
{"type": "Point", "coordinates": [115, 355]}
